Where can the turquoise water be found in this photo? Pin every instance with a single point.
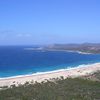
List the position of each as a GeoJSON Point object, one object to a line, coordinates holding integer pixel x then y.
{"type": "Point", "coordinates": [15, 60]}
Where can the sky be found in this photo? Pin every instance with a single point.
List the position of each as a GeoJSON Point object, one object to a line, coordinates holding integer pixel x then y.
{"type": "Point", "coordinates": [29, 22]}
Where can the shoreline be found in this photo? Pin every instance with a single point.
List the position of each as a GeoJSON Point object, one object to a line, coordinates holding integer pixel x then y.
{"type": "Point", "coordinates": [80, 70]}
{"type": "Point", "coordinates": [48, 72]}
{"type": "Point", "coordinates": [74, 51]}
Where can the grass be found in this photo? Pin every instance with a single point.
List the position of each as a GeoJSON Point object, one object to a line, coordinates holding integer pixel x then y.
{"type": "Point", "coordinates": [60, 89]}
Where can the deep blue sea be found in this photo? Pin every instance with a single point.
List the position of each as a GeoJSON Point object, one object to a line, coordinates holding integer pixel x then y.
{"type": "Point", "coordinates": [16, 60]}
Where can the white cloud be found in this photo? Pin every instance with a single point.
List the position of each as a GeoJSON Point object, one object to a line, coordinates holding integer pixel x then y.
{"type": "Point", "coordinates": [23, 35]}
{"type": "Point", "coordinates": [3, 36]}
{"type": "Point", "coordinates": [28, 35]}
{"type": "Point", "coordinates": [19, 35]}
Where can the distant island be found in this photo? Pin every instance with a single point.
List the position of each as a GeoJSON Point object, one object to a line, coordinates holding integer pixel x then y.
{"type": "Point", "coordinates": [85, 48]}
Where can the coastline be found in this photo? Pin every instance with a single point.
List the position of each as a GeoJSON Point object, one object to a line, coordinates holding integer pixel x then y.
{"type": "Point", "coordinates": [80, 70]}
{"type": "Point", "coordinates": [43, 50]}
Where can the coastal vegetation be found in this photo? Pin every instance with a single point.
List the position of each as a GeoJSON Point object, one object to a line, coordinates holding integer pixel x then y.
{"type": "Point", "coordinates": [81, 88]}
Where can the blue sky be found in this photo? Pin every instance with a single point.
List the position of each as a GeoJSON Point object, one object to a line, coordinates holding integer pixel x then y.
{"type": "Point", "coordinates": [27, 22]}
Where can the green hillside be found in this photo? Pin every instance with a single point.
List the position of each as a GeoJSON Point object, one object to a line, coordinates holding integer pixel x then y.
{"type": "Point", "coordinates": [60, 89]}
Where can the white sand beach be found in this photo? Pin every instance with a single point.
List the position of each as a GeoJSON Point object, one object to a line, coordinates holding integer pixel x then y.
{"type": "Point", "coordinates": [72, 72]}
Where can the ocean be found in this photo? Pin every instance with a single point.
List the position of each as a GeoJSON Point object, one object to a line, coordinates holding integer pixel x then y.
{"type": "Point", "coordinates": [16, 60]}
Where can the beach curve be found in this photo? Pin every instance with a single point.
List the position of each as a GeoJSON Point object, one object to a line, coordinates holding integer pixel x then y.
{"type": "Point", "coordinates": [80, 70]}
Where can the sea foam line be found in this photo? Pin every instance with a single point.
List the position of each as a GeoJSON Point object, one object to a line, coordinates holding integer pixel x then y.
{"type": "Point", "coordinates": [54, 71]}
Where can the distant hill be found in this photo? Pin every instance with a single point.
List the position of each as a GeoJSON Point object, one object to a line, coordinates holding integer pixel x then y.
{"type": "Point", "coordinates": [85, 47]}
